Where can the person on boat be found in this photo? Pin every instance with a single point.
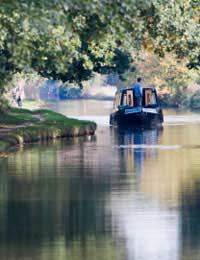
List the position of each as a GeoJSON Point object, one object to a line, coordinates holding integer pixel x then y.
{"type": "Point", "coordinates": [138, 92]}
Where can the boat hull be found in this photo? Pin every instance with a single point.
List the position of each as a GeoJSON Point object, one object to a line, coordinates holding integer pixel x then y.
{"type": "Point", "coordinates": [142, 118]}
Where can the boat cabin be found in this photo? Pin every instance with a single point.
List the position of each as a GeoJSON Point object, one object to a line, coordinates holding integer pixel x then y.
{"type": "Point", "coordinates": [126, 112]}
{"type": "Point", "coordinates": [126, 98]}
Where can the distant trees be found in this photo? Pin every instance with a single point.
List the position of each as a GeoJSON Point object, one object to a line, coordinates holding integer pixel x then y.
{"type": "Point", "coordinates": [68, 40]}
{"type": "Point", "coordinates": [169, 75]}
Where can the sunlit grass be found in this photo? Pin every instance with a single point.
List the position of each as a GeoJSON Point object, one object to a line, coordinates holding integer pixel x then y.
{"type": "Point", "coordinates": [16, 116]}
{"type": "Point", "coordinates": [25, 126]}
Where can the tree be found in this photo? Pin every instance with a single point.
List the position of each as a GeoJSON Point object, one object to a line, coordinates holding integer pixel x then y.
{"type": "Point", "coordinates": [70, 39]}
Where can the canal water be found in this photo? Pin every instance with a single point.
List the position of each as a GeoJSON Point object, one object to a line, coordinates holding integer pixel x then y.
{"type": "Point", "coordinates": [118, 195]}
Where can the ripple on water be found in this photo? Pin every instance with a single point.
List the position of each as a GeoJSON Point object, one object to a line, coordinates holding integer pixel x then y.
{"type": "Point", "coordinates": [181, 119]}
{"type": "Point", "coordinates": [99, 120]}
{"type": "Point", "coordinates": [144, 146]}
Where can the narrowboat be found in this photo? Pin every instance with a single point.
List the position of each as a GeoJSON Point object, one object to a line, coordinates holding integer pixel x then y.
{"type": "Point", "coordinates": [127, 113]}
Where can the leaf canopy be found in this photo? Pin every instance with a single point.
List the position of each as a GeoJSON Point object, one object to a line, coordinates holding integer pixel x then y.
{"type": "Point", "coordinates": [71, 39]}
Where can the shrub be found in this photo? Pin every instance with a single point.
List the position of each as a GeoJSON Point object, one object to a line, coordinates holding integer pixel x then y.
{"type": "Point", "coordinates": [195, 101]}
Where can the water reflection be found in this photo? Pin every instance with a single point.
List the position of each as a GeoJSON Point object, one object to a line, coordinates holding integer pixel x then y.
{"type": "Point", "coordinates": [146, 226]}
{"type": "Point", "coordinates": [122, 194]}
{"type": "Point", "coordinates": [150, 230]}
{"type": "Point", "coordinates": [70, 199]}
{"type": "Point", "coordinates": [190, 214]}
{"type": "Point", "coordinates": [137, 145]}
{"type": "Point", "coordinates": [55, 203]}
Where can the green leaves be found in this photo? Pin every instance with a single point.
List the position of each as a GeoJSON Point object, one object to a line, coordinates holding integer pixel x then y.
{"type": "Point", "coordinates": [71, 39]}
{"type": "Point", "coordinates": [177, 28]}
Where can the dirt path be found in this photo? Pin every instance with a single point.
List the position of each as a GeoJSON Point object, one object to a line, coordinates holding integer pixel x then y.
{"type": "Point", "coordinates": [6, 129]}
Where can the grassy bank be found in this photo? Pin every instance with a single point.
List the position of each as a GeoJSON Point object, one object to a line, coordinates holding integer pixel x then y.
{"type": "Point", "coordinates": [19, 126]}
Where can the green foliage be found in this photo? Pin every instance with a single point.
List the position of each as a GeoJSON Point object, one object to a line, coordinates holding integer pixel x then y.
{"type": "Point", "coordinates": [69, 91]}
{"type": "Point", "coordinates": [61, 40]}
{"type": "Point", "coordinates": [175, 27]}
{"type": "Point", "coordinates": [3, 105]}
{"type": "Point", "coordinates": [68, 40]}
{"type": "Point", "coordinates": [198, 80]}
{"type": "Point", "coordinates": [168, 74]}
{"type": "Point", "coordinates": [194, 103]}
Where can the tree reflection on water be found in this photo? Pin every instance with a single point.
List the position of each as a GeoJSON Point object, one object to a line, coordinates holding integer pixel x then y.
{"type": "Point", "coordinates": [123, 194]}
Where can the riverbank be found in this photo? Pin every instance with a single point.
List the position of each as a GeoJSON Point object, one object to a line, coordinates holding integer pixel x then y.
{"type": "Point", "coordinates": [21, 126]}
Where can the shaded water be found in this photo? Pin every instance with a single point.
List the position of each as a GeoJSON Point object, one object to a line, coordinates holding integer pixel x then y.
{"type": "Point", "coordinates": [125, 194]}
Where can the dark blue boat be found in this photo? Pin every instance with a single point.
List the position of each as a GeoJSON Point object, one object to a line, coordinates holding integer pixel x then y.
{"type": "Point", "coordinates": [127, 113]}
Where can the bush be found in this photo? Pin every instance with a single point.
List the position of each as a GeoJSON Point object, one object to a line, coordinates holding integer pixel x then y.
{"type": "Point", "coordinates": [195, 101]}
{"type": "Point", "coordinates": [3, 105]}
{"type": "Point", "coordinates": [69, 91]}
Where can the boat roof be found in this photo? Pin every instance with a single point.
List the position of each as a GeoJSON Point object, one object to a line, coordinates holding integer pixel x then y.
{"type": "Point", "coordinates": [132, 87]}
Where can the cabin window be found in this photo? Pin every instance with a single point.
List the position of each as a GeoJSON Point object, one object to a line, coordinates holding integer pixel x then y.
{"type": "Point", "coordinates": [124, 101]}
{"type": "Point", "coordinates": [128, 99]}
{"type": "Point", "coordinates": [150, 98]}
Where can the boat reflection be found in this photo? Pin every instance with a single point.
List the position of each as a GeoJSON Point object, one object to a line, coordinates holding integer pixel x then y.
{"type": "Point", "coordinates": [137, 146]}
{"type": "Point", "coordinates": [148, 227]}
{"type": "Point", "coordinates": [124, 194]}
